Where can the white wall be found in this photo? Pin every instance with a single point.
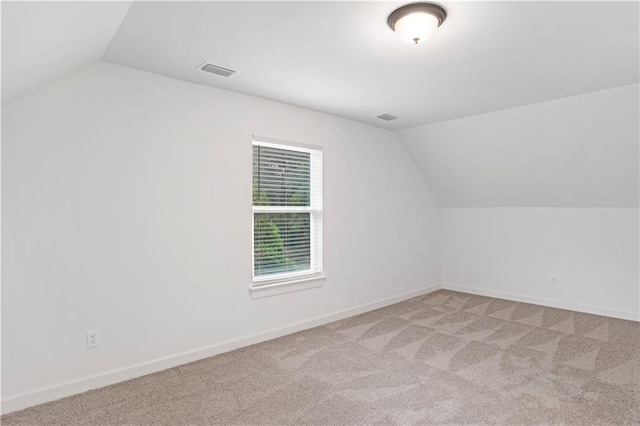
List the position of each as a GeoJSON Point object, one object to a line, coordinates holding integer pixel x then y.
{"type": "Point", "coordinates": [127, 209]}
{"type": "Point", "coordinates": [580, 151]}
{"type": "Point", "coordinates": [570, 166]}
{"type": "Point", "coordinates": [513, 253]}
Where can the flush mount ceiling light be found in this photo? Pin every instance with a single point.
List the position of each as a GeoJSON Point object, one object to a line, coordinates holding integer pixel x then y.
{"type": "Point", "coordinates": [416, 22]}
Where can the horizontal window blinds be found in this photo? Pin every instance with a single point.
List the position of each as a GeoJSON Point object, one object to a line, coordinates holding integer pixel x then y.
{"type": "Point", "coordinates": [287, 211]}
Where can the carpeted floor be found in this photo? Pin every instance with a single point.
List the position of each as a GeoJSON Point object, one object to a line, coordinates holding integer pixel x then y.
{"type": "Point", "coordinates": [445, 358]}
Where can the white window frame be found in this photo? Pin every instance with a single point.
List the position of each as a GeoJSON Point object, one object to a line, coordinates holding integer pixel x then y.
{"type": "Point", "coordinates": [271, 284]}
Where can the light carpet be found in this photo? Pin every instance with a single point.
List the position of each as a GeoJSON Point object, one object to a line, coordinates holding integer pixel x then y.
{"type": "Point", "coordinates": [445, 358]}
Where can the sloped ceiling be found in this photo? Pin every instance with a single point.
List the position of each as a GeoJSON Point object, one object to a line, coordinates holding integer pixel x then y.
{"type": "Point", "coordinates": [44, 41]}
{"type": "Point", "coordinates": [341, 57]}
{"type": "Point", "coordinates": [513, 93]}
{"type": "Point", "coordinates": [337, 57]}
{"type": "Point", "coordinates": [580, 151]}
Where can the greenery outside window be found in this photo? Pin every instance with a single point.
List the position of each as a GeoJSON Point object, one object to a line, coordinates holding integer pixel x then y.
{"type": "Point", "coordinates": [287, 211]}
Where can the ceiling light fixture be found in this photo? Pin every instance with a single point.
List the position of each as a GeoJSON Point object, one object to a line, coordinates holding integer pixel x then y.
{"type": "Point", "coordinates": [416, 22]}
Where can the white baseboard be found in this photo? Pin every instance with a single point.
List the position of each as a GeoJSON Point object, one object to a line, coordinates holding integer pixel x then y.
{"type": "Point", "coordinates": [40, 396]}
{"type": "Point", "coordinates": [627, 315]}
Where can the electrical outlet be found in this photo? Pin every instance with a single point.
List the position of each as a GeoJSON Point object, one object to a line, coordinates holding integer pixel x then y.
{"type": "Point", "coordinates": [392, 278]}
{"type": "Point", "coordinates": [554, 281]}
{"type": "Point", "coordinates": [93, 339]}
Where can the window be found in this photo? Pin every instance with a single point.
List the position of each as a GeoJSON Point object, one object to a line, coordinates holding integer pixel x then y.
{"type": "Point", "coordinates": [287, 212]}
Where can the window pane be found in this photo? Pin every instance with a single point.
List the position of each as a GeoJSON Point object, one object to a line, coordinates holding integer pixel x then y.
{"type": "Point", "coordinates": [281, 177]}
{"type": "Point", "coordinates": [282, 242]}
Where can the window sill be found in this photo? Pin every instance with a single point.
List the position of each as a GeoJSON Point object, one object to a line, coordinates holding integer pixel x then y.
{"type": "Point", "coordinates": [281, 287]}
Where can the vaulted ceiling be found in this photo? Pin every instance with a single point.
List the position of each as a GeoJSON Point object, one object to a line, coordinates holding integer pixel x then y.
{"type": "Point", "coordinates": [337, 57]}
{"type": "Point", "coordinates": [44, 41]}
{"type": "Point", "coordinates": [580, 151]}
{"type": "Point", "coordinates": [505, 106]}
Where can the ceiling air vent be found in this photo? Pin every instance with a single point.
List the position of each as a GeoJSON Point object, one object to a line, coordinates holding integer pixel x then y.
{"type": "Point", "coordinates": [386, 117]}
{"type": "Point", "coordinates": [218, 70]}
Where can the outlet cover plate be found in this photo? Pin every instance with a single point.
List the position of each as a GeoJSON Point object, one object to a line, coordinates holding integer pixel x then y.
{"type": "Point", "coordinates": [93, 339]}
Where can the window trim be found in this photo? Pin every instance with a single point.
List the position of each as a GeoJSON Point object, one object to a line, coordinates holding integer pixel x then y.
{"type": "Point", "coordinates": [263, 286]}
{"type": "Point", "coordinates": [278, 143]}
{"type": "Point", "coordinates": [273, 288]}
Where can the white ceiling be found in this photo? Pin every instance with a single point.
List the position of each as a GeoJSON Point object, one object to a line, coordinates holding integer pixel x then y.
{"type": "Point", "coordinates": [341, 58]}
{"type": "Point", "coordinates": [336, 57]}
{"type": "Point", "coordinates": [580, 151]}
{"type": "Point", "coordinates": [44, 41]}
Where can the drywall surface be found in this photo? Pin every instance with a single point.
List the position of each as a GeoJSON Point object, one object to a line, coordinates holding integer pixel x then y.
{"type": "Point", "coordinates": [515, 252]}
{"type": "Point", "coordinates": [557, 186]}
{"type": "Point", "coordinates": [127, 209]}
{"type": "Point", "coordinates": [580, 151]}
{"type": "Point", "coordinates": [43, 41]}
